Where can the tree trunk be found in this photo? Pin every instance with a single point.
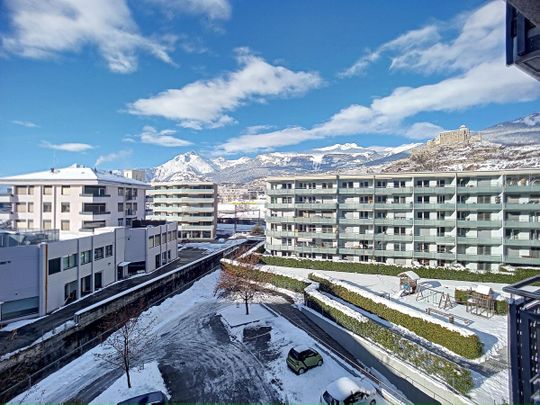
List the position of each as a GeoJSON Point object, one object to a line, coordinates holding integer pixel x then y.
{"type": "Point", "coordinates": [247, 307]}
{"type": "Point", "coordinates": [126, 366]}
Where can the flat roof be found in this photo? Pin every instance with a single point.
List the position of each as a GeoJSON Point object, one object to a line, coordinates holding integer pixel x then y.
{"type": "Point", "coordinates": [75, 174]}
{"type": "Point", "coordinates": [408, 174]}
{"type": "Point", "coordinates": [182, 183]}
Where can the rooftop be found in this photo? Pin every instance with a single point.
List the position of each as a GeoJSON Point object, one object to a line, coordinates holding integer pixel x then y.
{"type": "Point", "coordinates": [70, 174]}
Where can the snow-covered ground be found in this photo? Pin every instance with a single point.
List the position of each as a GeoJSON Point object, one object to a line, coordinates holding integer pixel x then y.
{"type": "Point", "coordinates": [297, 389]}
{"type": "Point", "coordinates": [145, 379]}
{"type": "Point", "coordinates": [493, 331]}
{"type": "Point", "coordinates": [235, 315]}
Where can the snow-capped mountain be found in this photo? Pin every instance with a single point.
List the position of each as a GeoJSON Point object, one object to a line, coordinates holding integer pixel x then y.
{"type": "Point", "coordinates": [523, 131]}
{"type": "Point", "coordinates": [506, 145]}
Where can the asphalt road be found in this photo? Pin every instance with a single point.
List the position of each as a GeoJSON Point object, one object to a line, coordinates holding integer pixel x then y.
{"type": "Point", "coordinates": [11, 341]}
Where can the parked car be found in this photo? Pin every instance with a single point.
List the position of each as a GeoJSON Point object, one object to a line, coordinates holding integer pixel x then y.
{"type": "Point", "coordinates": [347, 390]}
{"type": "Point", "coordinates": [154, 398]}
{"type": "Point", "coordinates": [302, 358]}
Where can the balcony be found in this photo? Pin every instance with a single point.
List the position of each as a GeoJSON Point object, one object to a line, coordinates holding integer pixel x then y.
{"type": "Point", "coordinates": [189, 227]}
{"type": "Point", "coordinates": [435, 207]}
{"type": "Point", "coordinates": [525, 188]}
{"type": "Point", "coordinates": [280, 191]}
{"type": "Point", "coordinates": [315, 220]}
{"type": "Point", "coordinates": [355, 236]}
{"type": "Point", "coordinates": [448, 240]}
{"type": "Point", "coordinates": [316, 249]}
{"type": "Point", "coordinates": [522, 242]}
{"type": "Point", "coordinates": [281, 220]}
{"type": "Point", "coordinates": [394, 253]}
{"type": "Point", "coordinates": [317, 235]}
{"type": "Point", "coordinates": [356, 190]}
{"type": "Point", "coordinates": [393, 238]}
{"type": "Point", "coordinates": [393, 206]}
{"type": "Point", "coordinates": [280, 234]}
{"type": "Point", "coordinates": [434, 255]}
{"type": "Point", "coordinates": [522, 224]}
{"type": "Point", "coordinates": [188, 191]}
{"type": "Point", "coordinates": [530, 206]}
{"type": "Point", "coordinates": [283, 248]}
{"type": "Point", "coordinates": [446, 190]}
{"type": "Point", "coordinates": [309, 191]}
{"type": "Point", "coordinates": [474, 189]}
{"type": "Point", "coordinates": [479, 207]}
{"type": "Point", "coordinates": [317, 206]}
{"type": "Point", "coordinates": [479, 257]}
{"type": "Point", "coordinates": [356, 251]}
{"type": "Point", "coordinates": [356, 206]}
{"type": "Point", "coordinates": [447, 223]}
{"type": "Point", "coordinates": [94, 195]}
{"type": "Point", "coordinates": [529, 260]}
{"type": "Point", "coordinates": [493, 223]}
{"type": "Point", "coordinates": [185, 200]}
{"type": "Point", "coordinates": [393, 221]}
{"type": "Point", "coordinates": [280, 206]}
{"type": "Point", "coordinates": [94, 213]}
{"type": "Point", "coordinates": [356, 221]}
{"type": "Point", "coordinates": [393, 190]}
{"type": "Point", "coordinates": [479, 241]}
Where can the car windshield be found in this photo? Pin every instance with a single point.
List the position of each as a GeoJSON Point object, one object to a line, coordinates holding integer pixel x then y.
{"type": "Point", "coordinates": [329, 399]}
{"type": "Point", "coordinates": [294, 354]}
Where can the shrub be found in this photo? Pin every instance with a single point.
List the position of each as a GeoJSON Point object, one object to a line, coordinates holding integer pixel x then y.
{"type": "Point", "coordinates": [468, 346]}
{"type": "Point", "coordinates": [390, 270]}
{"type": "Point", "coordinates": [454, 375]}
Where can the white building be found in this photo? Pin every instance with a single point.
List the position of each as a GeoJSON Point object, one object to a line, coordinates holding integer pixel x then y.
{"type": "Point", "coordinates": [42, 271]}
{"type": "Point", "coordinates": [73, 199]}
{"type": "Point", "coordinates": [192, 205]}
{"type": "Point", "coordinates": [135, 174]}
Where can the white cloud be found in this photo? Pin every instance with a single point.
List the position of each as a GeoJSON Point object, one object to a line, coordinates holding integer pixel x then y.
{"type": "Point", "coordinates": [68, 147]}
{"type": "Point", "coordinates": [111, 157]}
{"type": "Point", "coordinates": [211, 9]}
{"type": "Point", "coordinates": [43, 29]}
{"type": "Point", "coordinates": [204, 104]}
{"type": "Point", "coordinates": [480, 37]}
{"type": "Point", "coordinates": [162, 138]}
{"type": "Point", "coordinates": [489, 82]}
{"type": "Point", "coordinates": [27, 124]}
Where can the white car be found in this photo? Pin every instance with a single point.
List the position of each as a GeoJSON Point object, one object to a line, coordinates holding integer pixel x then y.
{"type": "Point", "coordinates": [347, 390]}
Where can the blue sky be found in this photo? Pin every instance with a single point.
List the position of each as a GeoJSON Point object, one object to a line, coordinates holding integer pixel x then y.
{"type": "Point", "coordinates": [117, 83]}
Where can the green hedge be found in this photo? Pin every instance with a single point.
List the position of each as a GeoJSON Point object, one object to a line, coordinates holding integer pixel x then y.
{"type": "Point", "coordinates": [288, 283]}
{"type": "Point", "coordinates": [390, 270]}
{"type": "Point", "coordinates": [461, 297]}
{"type": "Point", "coordinates": [408, 351]}
{"type": "Point", "coordinates": [466, 346]}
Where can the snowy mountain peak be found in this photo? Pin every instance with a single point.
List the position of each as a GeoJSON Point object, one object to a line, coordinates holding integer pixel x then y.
{"type": "Point", "coordinates": [342, 147]}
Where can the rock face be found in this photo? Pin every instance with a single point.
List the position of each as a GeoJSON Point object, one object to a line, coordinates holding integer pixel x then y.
{"type": "Point", "coordinates": [507, 145]}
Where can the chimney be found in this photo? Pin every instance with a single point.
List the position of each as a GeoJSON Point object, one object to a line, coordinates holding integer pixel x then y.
{"type": "Point", "coordinates": [52, 169]}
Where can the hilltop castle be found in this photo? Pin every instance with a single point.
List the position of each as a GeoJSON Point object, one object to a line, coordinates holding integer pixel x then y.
{"type": "Point", "coordinates": [462, 134]}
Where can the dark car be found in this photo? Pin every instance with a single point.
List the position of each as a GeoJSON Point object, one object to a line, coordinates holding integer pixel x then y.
{"type": "Point", "coordinates": [156, 397]}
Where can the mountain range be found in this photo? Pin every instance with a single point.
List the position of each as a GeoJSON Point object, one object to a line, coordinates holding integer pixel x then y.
{"type": "Point", "coordinates": [505, 145]}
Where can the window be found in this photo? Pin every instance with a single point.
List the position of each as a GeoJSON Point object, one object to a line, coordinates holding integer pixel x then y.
{"type": "Point", "coordinates": [30, 224]}
{"type": "Point", "coordinates": [21, 190]}
{"type": "Point", "coordinates": [108, 250]}
{"type": "Point", "coordinates": [86, 257]}
{"type": "Point", "coordinates": [157, 260]}
{"type": "Point", "coordinates": [47, 190]}
{"type": "Point", "coordinates": [64, 207]}
{"type": "Point", "coordinates": [65, 190]}
{"type": "Point", "coordinates": [86, 285]}
{"type": "Point", "coordinates": [151, 242]}
{"type": "Point", "coordinates": [98, 253]}
{"type": "Point", "coordinates": [17, 308]}
{"type": "Point", "coordinates": [98, 280]}
{"type": "Point", "coordinates": [54, 266]}
{"type": "Point", "coordinates": [68, 262]}
{"type": "Point", "coordinates": [120, 191]}
{"type": "Point", "coordinates": [64, 225]}
{"type": "Point", "coordinates": [47, 224]}
{"type": "Point", "coordinates": [20, 207]}
{"type": "Point", "coordinates": [30, 207]}
{"type": "Point", "coordinates": [157, 239]}
{"type": "Point", "coordinates": [120, 221]}
{"type": "Point", "coordinates": [120, 206]}
{"type": "Point", "coordinates": [47, 207]}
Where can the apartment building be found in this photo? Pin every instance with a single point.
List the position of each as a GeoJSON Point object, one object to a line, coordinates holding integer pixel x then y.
{"type": "Point", "coordinates": [73, 199]}
{"type": "Point", "coordinates": [192, 205]}
{"type": "Point", "coordinates": [479, 220]}
{"type": "Point", "coordinates": [41, 271]}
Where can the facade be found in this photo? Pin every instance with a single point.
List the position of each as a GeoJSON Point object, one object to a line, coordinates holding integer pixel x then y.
{"type": "Point", "coordinates": [479, 220]}
{"type": "Point", "coordinates": [192, 205]}
{"type": "Point", "coordinates": [524, 341]}
{"type": "Point", "coordinates": [135, 174]}
{"type": "Point", "coordinates": [42, 271]}
{"type": "Point", "coordinates": [73, 199]}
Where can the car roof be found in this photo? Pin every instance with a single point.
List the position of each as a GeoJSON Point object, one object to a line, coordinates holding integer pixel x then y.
{"type": "Point", "coordinates": [302, 348]}
{"type": "Point", "coordinates": [345, 386]}
{"type": "Point", "coordinates": [149, 397]}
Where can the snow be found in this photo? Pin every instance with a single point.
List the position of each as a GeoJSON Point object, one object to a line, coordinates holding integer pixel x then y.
{"type": "Point", "coordinates": [210, 246]}
{"type": "Point", "coordinates": [235, 315]}
{"type": "Point", "coordinates": [144, 380]}
{"type": "Point", "coordinates": [10, 327]}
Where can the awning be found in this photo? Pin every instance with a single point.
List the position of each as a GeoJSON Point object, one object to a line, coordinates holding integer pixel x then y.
{"type": "Point", "coordinates": [123, 264]}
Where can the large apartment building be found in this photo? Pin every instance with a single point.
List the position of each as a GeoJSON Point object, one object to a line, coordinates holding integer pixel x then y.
{"type": "Point", "coordinates": [74, 198]}
{"type": "Point", "coordinates": [41, 271]}
{"type": "Point", "coordinates": [479, 220]}
{"type": "Point", "coordinates": [192, 205]}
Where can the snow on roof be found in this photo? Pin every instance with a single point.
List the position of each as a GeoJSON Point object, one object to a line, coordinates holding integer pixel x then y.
{"type": "Point", "coordinates": [411, 274]}
{"type": "Point", "coordinates": [483, 289]}
{"type": "Point", "coordinates": [301, 348]}
{"type": "Point", "coordinates": [73, 173]}
{"type": "Point", "coordinates": [345, 386]}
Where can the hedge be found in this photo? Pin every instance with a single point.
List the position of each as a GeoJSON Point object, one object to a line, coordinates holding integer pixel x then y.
{"type": "Point", "coordinates": [461, 297]}
{"type": "Point", "coordinates": [391, 270]}
{"type": "Point", "coordinates": [467, 346]}
{"type": "Point", "coordinates": [453, 374]}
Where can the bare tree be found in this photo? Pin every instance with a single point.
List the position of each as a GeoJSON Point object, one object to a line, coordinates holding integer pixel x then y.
{"type": "Point", "coordinates": [242, 280]}
{"type": "Point", "coordinates": [124, 348]}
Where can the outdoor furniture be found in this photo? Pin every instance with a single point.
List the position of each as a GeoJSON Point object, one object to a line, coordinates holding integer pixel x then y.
{"type": "Point", "coordinates": [481, 301]}
{"type": "Point", "coordinates": [408, 281]}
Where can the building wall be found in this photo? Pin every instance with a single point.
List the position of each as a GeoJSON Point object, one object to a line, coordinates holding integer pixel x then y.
{"type": "Point", "coordinates": [435, 219]}
{"type": "Point", "coordinates": [29, 201]}
{"type": "Point", "coordinates": [192, 205]}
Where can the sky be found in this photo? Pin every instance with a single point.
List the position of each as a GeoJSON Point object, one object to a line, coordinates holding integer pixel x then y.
{"type": "Point", "coordinates": [130, 84]}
